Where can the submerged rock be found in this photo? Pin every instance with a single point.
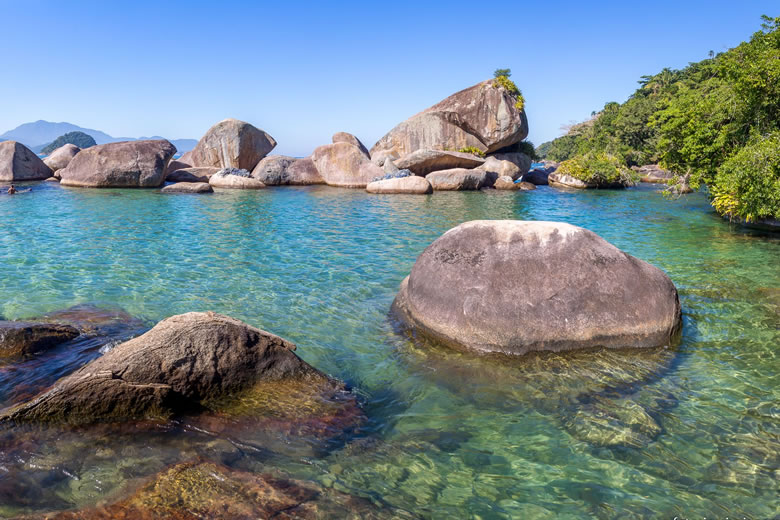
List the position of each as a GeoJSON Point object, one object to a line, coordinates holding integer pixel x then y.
{"type": "Point", "coordinates": [423, 162]}
{"type": "Point", "coordinates": [18, 338]}
{"type": "Point", "coordinates": [130, 164]}
{"type": "Point", "coordinates": [513, 287]}
{"type": "Point", "coordinates": [409, 184]}
{"type": "Point", "coordinates": [198, 490]}
{"type": "Point", "coordinates": [176, 367]}
{"type": "Point", "coordinates": [19, 163]}
{"type": "Point", "coordinates": [231, 144]}
{"type": "Point", "coordinates": [484, 116]}
{"type": "Point", "coordinates": [61, 157]}
{"type": "Point", "coordinates": [457, 179]}
{"type": "Point", "coordinates": [188, 187]}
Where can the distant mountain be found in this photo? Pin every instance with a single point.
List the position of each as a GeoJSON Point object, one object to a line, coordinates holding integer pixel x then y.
{"type": "Point", "coordinates": [80, 139]}
{"type": "Point", "coordinates": [37, 135]}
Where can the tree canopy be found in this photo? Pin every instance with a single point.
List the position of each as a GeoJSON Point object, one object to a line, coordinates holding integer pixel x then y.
{"type": "Point", "coordinates": [80, 139]}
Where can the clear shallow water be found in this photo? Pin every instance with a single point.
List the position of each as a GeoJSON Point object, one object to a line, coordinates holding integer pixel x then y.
{"type": "Point", "coordinates": [691, 432]}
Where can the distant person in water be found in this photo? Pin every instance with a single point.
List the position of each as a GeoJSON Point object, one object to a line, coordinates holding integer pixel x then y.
{"type": "Point", "coordinates": [11, 190]}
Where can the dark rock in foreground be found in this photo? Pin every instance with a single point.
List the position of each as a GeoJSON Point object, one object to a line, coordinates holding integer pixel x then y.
{"type": "Point", "coordinates": [19, 163]}
{"type": "Point", "coordinates": [181, 363]}
{"type": "Point", "coordinates": [18, 338]}
{"type": "Point", "coordinates": [129, 164]}
{"type": "Point", "coordinates": [513, 287]}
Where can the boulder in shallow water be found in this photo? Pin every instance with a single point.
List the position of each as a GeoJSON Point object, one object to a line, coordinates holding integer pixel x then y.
{"type": "Point", "coordinates": [567, 181]}
{"type": "Point", "coordinates": [345, 165]}
{"type": "Point", "coordinates": [176, 367]}
{"type": "Point", "coordinates": [61, 157]}
{"type": "Point", "coordinates": [506, 183]}
{"type": "Point", "coordinates": [19, 163]}
{"type": "Point", "coordinates": [230, 178]}
{"type": "Point", "coordinates": [412, 184]}
{"type": "Point", "coordinates": [231, 144]}
{"type": "Point", "coordinates": [191, 174]}
{"type": "Point", "coordinates": [512, 287]}
{"type": "Point", "coordinates": [423, 162]}
{"type": "Point", "coordinates": [129, 164]}
{"type": "Point", "coordinates": [457, 179]}
{"type": "Point", "coordinates": [188, 187]}
{"type": "Point", "coordinates": [18, 338]}
{"type": "Point", "coordinates": [272, 170]}
{"type": "Point", "coordinates": [501, 168]}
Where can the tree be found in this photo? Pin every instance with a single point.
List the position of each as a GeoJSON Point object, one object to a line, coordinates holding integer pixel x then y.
{"type": "Point", "coordinates": [502, 72]}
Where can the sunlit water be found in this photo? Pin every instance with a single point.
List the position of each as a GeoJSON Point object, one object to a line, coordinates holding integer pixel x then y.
{"type": "Point", "coordinates": [692, 431]}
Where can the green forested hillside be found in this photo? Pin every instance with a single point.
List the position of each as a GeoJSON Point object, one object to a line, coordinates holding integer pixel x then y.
{"type": "Point", "coordinates": [715, 122]}
{"type": "Point", "coordinates": [80, 139]}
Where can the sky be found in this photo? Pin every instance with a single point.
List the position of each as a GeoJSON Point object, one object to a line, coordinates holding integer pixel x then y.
{"type": "Point", "coordinates": [304, 71]}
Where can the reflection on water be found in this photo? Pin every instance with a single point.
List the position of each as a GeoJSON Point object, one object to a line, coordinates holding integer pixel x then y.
{"type": "Point", "coordinates": [691, 431]}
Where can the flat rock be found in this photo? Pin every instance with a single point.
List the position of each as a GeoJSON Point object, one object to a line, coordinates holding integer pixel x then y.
{"type": "Point", "coordinates": [61, 157]}
{"type": "Point", "coordinates": [483, 116]}
{"type": "Point", "coordinates": [178, 365]}
{"type": "Point", "coordinates": [128, 164]}
{"type": "Point", "coordinates": [345, 165]}
{"type": "Point", "coordinates": [513, 287]}
{"type": "Point", "coordinates": [412, 184]}
{"type": "Point", "coordinates": [231, 144]}
{"type": "Point", "coordinates": [237, 182]}
{"type": "Point", "coordinates": [19, 163]}
{"type": "Point", "coordinates": [457, 179]}
{"type": "Point", "coordinates": [423, 162]}
{"type": "Point", "coordinates": [190, 174]}
{"type": "Point", "coordinates": [18, 338]}
{"type": "Point", "coordinates": [188, 187]}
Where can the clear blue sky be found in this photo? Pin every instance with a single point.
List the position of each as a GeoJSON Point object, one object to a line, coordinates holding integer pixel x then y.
{"type": "Point", "coordinates": [304, 71]}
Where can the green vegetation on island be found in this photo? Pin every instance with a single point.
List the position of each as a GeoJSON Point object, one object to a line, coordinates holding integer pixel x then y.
{"type": "Point", "coordinates": [79, 139]}
{"type": "Point", "coordinates": [715, 122]}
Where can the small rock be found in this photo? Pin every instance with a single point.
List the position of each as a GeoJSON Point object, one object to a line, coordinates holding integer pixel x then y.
{"type": "Point", "coordinates": [188, 187]}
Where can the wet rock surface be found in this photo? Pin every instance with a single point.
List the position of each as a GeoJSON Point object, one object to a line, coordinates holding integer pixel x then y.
{"type": "Point", "coordinates": [19, 338]}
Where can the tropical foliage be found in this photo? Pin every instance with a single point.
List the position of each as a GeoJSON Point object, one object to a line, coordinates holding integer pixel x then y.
{"type": "Point", "coordinates": [599, 168]}
{"type": "Point", "coordinates": [502, 81]}
{"type": "Point", "coordinates": [713, 122]}
{"type": "Point", "coordinates": [80, 139]}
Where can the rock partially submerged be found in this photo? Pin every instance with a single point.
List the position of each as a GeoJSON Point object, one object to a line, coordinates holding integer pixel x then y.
{"type": "Point", "coordinates": [232, 178]}
{"type": "Point", "coordinates": [506, 183]}
{"type": "Point", "coordinates": [19, 338]}
{"type": "Point", "coordinates": [457, 179]}
{"type": "Point", "coordinates": [61, 157]}
{"type": "Point", "coordinates": [513, 287]}
{"type": "Point", "coordinates": [501, 168]}
{"type": "Point", "coordinates": [484, 116]}
{"type": "Point", "coordinates": [19, 163]}
{"type": "Point", "coordinates": [346, 165]}
{"type": "Point", "coordinates": [191, 174]}
{"type": "Point", "coordinates": [188, 187]}
{"type": "Point", "coordinates": [411, 184]}
{"type": "Point", "coordinates": [176, 367]}
{"type": "Point", "coordinates": [567, 181]}
{"type": "Point", "coordinates": [423, 162]}
{"type": "Point", "coordinates": [128, 164]}
{"type": "Point", "coordinates": [231, 144]}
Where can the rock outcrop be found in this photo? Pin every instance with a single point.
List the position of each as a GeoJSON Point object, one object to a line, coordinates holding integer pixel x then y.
{"type": "Point", "coordinates": [512, 287]}
{"type": "Point", "coordinates": [188, 187]}
{"type": "Point", "coordinates": [506, 183]}
{"type": "Point", "coordinates": [61, 157]}
{"type": "Point", "coordinates": [412, 184]}
{"type": "Point", "coordinates": [653, 173]}
{"type": "Point", "coordinates": [344, 137]}
{"type": "Point", "coordinates": [129, 164]}
{"type": "Point", "coordinates": [521, 160]}
{"type": "Point", "coordinates": [484, 116]}
{"type": "Point", "coordinates": [423, 162]}
{"type": "Point", "coordinates": [346, 165]}
{"type": "Point", "coordinates": [500, 168]}
{"type": "Point", "coordinates": [230, 144]}
{"type": "Point", "coordinates": [19, 163]}
{"type": "Point", "coordinates": [190, 174]}
{"type": "Point", "coordinates": [232, 178]}
{"type": "Point", "coordinates": [18, 338]}
{"type": "Point", "coordinates": [179, 364]}
{"type": "Point", "coordinates": [567, 181]}
{"type": "Point", "coordinates": [457, 179]}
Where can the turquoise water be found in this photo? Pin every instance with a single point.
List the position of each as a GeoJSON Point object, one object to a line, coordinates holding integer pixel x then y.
{"type": "Point", "coordinates": [690, 432]}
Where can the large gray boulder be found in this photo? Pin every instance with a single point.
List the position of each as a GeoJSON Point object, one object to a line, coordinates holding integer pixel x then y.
{"type": "Point", "coordinates": [230, 144]}
{"type": "Point", "coordinates": [412, 184]}
{"type": "Point", "coordinates": [423, 162]}
{"type": "Point", "coordinates": [61, 157]}
{"type": "Point", "coordinates": [344, 137]}
{"type": "Point", "coordinates": [457, 179]}
{"type": "Point", "coordinates": [276, 170]}
{"type": "Point", "coordinates": [176, 366]}
{"type": "Point", "coordinates": [521, 160]}
{"type": "Point", "coordinates": [19, 163]}
{"type": "Point", "coordinates": [303, 172]}
{"type": "Point", "coordinates": [512, 287]}
{"type": "Point", "coordinates": [19, 338]}
{"type": "Point", "coordinates": [345, 165]}
{"type": "Point", "coordinates": [128, 164]}
{"type": "Point", "coordinates": [484, 116]}
{"type": "Point", "coordinates": [190, 174]}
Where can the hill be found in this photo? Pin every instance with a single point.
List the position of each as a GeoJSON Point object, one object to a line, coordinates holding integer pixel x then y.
{"type": "Point", "coordinates": [80, 139]}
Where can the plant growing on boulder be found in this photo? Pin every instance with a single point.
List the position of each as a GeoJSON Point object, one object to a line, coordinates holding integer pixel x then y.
{"type": "Point", "coordinates": [502, 81]}
{"type": "Point", "coordinates": [473, 150]}
{"type": "Point", "coordinates": [598, 168]}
